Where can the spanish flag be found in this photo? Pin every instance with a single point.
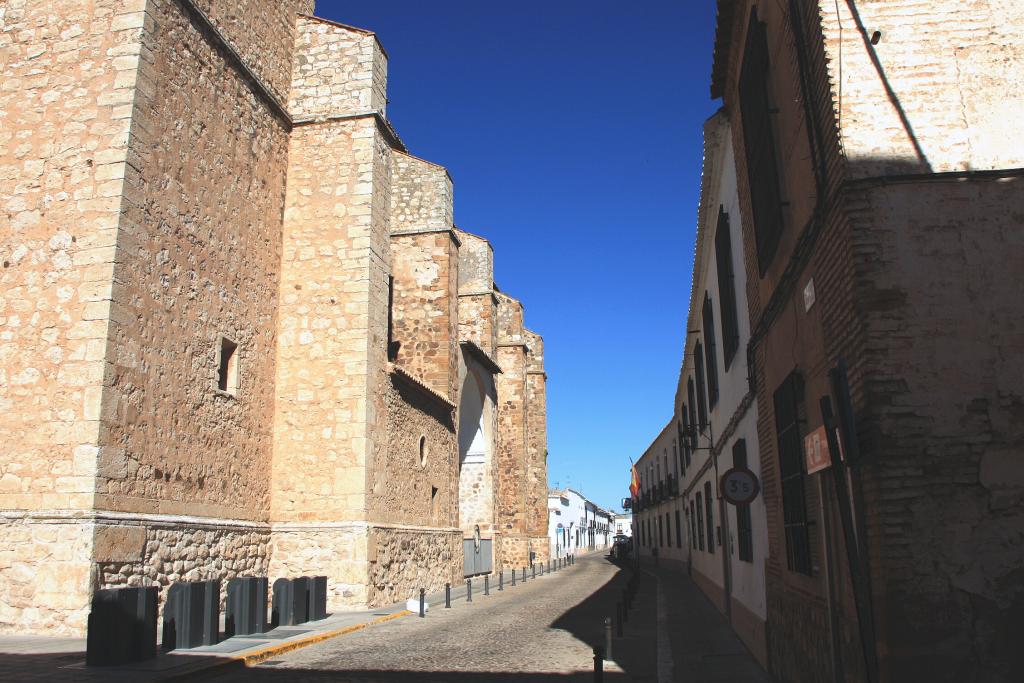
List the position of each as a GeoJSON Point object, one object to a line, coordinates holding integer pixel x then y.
{"type": "Point", "coordinates": [634, 484]}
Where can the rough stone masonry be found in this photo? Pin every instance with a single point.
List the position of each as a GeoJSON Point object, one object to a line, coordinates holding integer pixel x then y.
{"type": "Point", "coordinates": [240, 333]}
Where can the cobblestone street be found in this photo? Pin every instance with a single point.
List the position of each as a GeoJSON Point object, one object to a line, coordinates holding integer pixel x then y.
{"type": "Point", "coordinates": [543, 630]}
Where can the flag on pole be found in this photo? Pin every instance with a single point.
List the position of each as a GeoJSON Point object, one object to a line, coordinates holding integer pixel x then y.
{"type": "Point", "coordinates": [634, 484]}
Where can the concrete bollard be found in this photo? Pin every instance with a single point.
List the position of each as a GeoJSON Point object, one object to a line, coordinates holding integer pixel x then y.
{"type": "Point", "coordinates": [122, 626]}
{"type": "Point", "coordinates": [469, 590]}
{"type": "Point", "coordinates": [192, 615]}
{"type": "Point", "coordinates": [246, 606]}
{"type": "Point", "coordinates": [448, 596]}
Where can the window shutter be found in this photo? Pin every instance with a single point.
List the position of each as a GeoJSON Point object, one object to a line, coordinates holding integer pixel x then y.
{"type": "Point", "coordinates": [726, 289]}
{"type": "Point", "coordinates": [759, 143]}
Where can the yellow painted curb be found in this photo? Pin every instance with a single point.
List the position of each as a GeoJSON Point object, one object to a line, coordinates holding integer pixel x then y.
{"type": "Point", "coordinates": [254, 658]}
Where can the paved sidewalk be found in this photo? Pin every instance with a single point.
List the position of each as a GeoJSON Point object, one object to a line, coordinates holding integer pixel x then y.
{"type": "Point", "coordinates": [703, 647]}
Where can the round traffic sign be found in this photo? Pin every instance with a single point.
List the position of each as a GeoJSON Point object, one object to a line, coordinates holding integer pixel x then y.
{"type": "Point", "coordinates": [739, 486]}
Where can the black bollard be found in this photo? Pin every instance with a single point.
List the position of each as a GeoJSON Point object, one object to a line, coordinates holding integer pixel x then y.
{"type": "Point", "coordinates": [513, 577]}
{"type": "Point", "coordinates": [501, 580]}
{"type": "Point", "coordinates": [533, 571]}
{"type": "Point", "coordinates": [448, 596]}
{"type": "Point", "coordinates": [608, 638]}
{"type": "Point", "coordinates": [487, 585]}
{"type": "Point", "coordinates": [469, 590]}
{"type": "Point", "coordinates": [423, 609]}
{"type": "Point", "coordinates": [549, 565]}
{"type": "Point", "coordinates": [598, 665]}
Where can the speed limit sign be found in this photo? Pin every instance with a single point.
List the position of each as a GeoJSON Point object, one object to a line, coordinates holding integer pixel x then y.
{"type": "Point", "coordinates": [739, 486]}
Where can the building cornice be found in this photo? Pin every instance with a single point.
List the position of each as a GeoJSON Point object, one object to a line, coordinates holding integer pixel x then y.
{"type": "Point", "coordinates": [428, 231]}
{"type": "Point", "coordinates": [480, 356]}
{"type": "Point", "coordinates": [415, 382]}
{"type": "Point", "coordinates": [383, 125]}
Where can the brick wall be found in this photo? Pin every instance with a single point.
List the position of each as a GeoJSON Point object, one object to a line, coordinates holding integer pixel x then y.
{"type": "Point", "coordinates": [900, 268]}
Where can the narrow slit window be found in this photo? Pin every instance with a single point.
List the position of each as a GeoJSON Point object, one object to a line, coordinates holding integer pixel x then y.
{"type": "Point", "coordinates": [227, 370]}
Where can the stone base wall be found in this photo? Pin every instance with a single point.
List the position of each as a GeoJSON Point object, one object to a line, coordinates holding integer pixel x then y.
{"type": "Point", "coordinates": [45, 575]}
{"type": "Point", "coordinates": [148, 552]}
{"type": "Point", "coordinates": [336, 551]}
{"type": "Point", "coordinates": [541, 547]}
{"type": "Point", "coordinates": [515, 551]}
{"type": "Point", "coordinates": [405, 559]}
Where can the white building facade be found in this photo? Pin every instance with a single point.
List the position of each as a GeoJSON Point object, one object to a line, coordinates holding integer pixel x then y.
{"type": "Point", "coordinates": [715, 410]}
{"type": "Point", "coordinates": [658, 530]}
{"type": "Point", "coordinates": [576, 526]}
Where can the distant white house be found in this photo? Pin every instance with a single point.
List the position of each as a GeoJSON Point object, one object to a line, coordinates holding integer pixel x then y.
{"type": "Point", "coordinates": [576, 525]}
{"type": "Point", "coordinates": [622, 524]}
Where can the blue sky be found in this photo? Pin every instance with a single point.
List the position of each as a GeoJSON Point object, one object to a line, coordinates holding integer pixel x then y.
{"type": "Point", "coordinates": [572, 131]}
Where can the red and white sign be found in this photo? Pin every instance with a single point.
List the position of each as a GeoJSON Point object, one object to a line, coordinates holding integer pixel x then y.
{"type": "Point", "coordinates": [816, 451]}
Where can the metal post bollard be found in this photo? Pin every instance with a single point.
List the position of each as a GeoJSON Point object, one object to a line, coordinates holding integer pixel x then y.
{"type": "Point", "coordinates": [598, 665]}
{"type": "Point", "coordinates": [513, 577]}
{"type": "Point", "coordinates": [533, 571]}
{"type": "Point", "coordinates": [524, 574]}
{"type": "Point", "coordinates": [619, 611]}
{"type": "Point", "coordinates": [608, 638]}
{"type": "Point", "coordinates": [487, 585]}
{"type": "Point", "coordinates": [469, 590]}
{"type": "Point", "coordinates": [448, 596]}
{"type": "Point", "coordinates": [423, 594]}
{"type": "Point", "coordinates": [501, 580]}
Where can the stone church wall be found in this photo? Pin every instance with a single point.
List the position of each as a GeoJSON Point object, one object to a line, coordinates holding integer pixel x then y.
{"type": "Point", "coordinates": [210, 156]}
{"type": "Point", "coordinates": [414, 506]}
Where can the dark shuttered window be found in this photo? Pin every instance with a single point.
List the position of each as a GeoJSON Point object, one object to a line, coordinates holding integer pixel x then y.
{"type": "Point", "coordinates": [709, 512]}
{"type": "Point", "coordinates": [759, 144]}
{"type": "Point", "coordinates": [701, 376]}
{"type": "Point", "coordinates": [788, 398]}
{"type": "Point", "coordinates": [693, 528]}
{"type": "Point", "coordinates": [710, 350]}
{"type": "Point", "coordinates": [726, 289]}
{"type": "Point", "coordinates": [691, 393]}
{"type": "Point", "coordinates": [744, 532]}
{"type": "Point", "coordinates": [700, 521]}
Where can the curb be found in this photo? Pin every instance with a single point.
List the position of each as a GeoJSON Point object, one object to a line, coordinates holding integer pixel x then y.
{"type": "Point", "coordinates": [266, 653]}
{"type": "Point", "coordinates": [254, 658]}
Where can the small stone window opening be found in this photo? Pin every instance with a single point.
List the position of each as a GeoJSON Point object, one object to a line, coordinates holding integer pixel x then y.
{"type": "Point", "coordinates": [423, 451]}
{"type": "Point", "coordinates": [433, 502]}
{"type": "Point", "coordinates": [227, 367]}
